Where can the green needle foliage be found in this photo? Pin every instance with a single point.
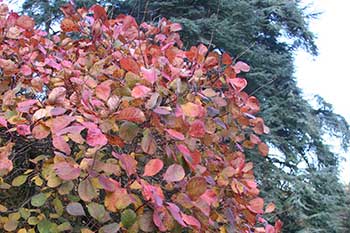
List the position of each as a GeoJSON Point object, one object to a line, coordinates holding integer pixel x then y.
{"type": "Point", "coordinates": [265, 33]}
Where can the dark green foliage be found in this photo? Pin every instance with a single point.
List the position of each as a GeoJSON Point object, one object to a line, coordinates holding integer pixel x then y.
{"type": "Point", "coordinates": [264, 33]}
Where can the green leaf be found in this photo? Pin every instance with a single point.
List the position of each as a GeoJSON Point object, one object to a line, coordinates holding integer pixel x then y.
{"type": "Point", "coordinates": [46, 226]}
{"type": "Point", "coordinates": [110, 228]}
{"type": "Point", "coordinates": [128, 218]}
{"type": "Point", "coordinates": [19, 180]}
{"type": "Point", "coordinates": [96, 211]}
{"type": "Point", "coordinates": [66, 226]}
{"type": "Point", "coordinates": [38, 200]}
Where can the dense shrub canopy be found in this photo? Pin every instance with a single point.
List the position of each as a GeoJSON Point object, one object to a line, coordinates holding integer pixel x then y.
{"type": "Point", "coordinates": [110, 125]}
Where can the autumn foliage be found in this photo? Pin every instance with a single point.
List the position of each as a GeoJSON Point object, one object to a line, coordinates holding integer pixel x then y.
{"type": "Point", "coordinates": [111, 126]}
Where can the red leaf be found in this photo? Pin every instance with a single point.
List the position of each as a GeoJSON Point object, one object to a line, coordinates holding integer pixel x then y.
{"type": "Point", "coordinates": [175, 134]}
{"type": "Point", "coordinates": [68, 25]}
{"type": "Point", "coordinates": [131, 114]}
{"type": "Point", "coordinates": [226, 59]}
{"type": "Point", "coordinates": [153, 167]}
{"type": "Point", "coordinates": [256, 205]}
{"type": "Point", "coordinates": [99, 12]}
{"type": "Point", "coordinates": [25, 22]}
{"type": "Point", "coordinates": [278, 226]}
{"type": "Point", "coordinates": [174, 173]}
{"type": "Point", "coordinates": [67, 171]}
{"type": "Point", "coordinates": [129, 64]}
{"type": "Point", "coordinates": [197, 129]}
{"type": "Point", "coordinates": [140, 91]}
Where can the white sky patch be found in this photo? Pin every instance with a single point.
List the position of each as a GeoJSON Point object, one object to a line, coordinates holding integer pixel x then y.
{"type": "Point", "coordinates": [327, 75]}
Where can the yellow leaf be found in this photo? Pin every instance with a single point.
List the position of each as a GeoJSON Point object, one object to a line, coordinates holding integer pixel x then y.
{"type": "Point", "coordinates": [3, 208]}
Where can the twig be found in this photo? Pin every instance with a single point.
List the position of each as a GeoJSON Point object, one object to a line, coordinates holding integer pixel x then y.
{"type": "Point", "coordinates": [212, 33]}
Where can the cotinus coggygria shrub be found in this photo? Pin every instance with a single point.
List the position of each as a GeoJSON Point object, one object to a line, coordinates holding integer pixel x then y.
{"type": "Point", "coordinates": [110, 126]}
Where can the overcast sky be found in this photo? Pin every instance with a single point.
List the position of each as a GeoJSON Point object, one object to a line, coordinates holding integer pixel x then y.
{"type": "Point", "coordinates": [327, 74]}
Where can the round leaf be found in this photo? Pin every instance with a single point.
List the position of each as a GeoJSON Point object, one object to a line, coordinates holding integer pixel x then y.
{"type": "Point", "coordinates": [153, 167]}
{"type": "Point", "coordinates": [38, 200]}
{"type": "Point", "coordinates": [174, 173]}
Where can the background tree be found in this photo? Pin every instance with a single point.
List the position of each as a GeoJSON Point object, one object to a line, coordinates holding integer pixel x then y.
{"type": "Point", "coordinates": [265, 33]}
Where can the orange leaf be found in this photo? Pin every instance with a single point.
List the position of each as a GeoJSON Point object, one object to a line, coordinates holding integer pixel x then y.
{"type": "Point", "coordinates": [140, 91]}
{"type": "Point", "coordinates": [195, 187]}
{"type": "Point", "coordinates": [226, 59]}
{"type": "Point", "coordinates": [67, 25]}
{"type": "Point", "coordinates": [270, 208]}
{"type": "Point", "coordinates": [263, 149]}
{"type": "Point", "coordinates": [129, 64]}
{"type": "Point", "coordinates": [153, 167]}
{"type": "Point", "coordinates": [131, 114]}
{"type": "Point", "coordinates": [25, 22]}
{"type": "Point", "coordinates": [256, 205]}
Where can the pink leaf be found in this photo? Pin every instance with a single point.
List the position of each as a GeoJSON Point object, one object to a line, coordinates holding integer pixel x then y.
{"type": "Point", "coordinates": [3, 122]}
{"type": "Point", "coordinates": [26, 105]}
{"type": "Point", "coordinates": [238, 83]}
{"type": "Point", "coordinates": [241, 66]}
{"type": "Point", "coordinates": [103, 90]}
{"type": "Point", "coordinates": [60, 144]}
{"type": "Point", "coordinates": [149, 74]}
{"type": "Point", "coordinates": [26, 70]}
{"type": "Point", "coordinates": [175, 134]}
{"type": "Point", "coordinates": [128, 163]}
{"type": "Point", "coordinates": [153, 167]}
{"type": "Point", "coordinates": [23, 130]}
{"type": "Point", "coordinates": [67, 171]}
{"type": "Point", "coordinates": [197, 129]}
{"type": "Point", "coordinates": [106, 183]}
{"type": "Point", "coordinates": [174, 173]}
{"type": "Point", "coordinates": [175, 212]}
{"type": "Point", "coordinates": [190, 220]}
{"type": "Point", "coordinates": [140, 91]}
{"type": "Point", "coordinates": [95, 137]}
{"type": "Point", "coordinates": [174, 27]}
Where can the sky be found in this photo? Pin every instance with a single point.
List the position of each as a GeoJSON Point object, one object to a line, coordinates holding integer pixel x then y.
{"type": "Point", "coordinates": [327, 74]}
